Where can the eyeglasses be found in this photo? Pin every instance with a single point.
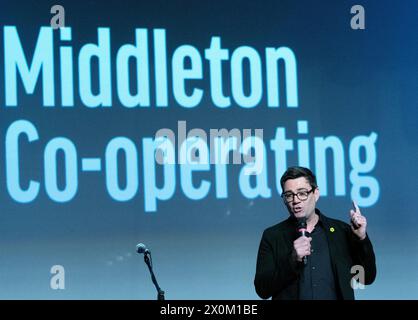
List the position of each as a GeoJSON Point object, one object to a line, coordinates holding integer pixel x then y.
{"type": "Point", "coordinates": [302, 195]}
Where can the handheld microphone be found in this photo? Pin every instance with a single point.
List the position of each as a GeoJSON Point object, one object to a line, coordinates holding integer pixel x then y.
{"type": "Point", "coordinates": [301, 228]}
{"type": "Point", "coordinates": [142, 248]}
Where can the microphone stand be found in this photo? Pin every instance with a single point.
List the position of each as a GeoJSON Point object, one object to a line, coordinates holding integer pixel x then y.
{"type": "Point", "coordinates": [160, 292]}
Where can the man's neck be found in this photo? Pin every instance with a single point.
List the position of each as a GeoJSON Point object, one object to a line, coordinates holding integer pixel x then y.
{"type": "Point", "coordinates": [311, 222]}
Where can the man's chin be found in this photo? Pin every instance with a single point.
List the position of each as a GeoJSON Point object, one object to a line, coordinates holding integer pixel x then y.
{"type": "Point", "coordinates": [299, 214]}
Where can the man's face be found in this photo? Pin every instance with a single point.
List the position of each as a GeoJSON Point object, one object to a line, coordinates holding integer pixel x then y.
{"type": "Point", "coordinates": [300, 208]}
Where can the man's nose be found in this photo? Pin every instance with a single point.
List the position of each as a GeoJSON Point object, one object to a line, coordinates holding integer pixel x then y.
{"type": "Point", "coordinates": [295, 199]}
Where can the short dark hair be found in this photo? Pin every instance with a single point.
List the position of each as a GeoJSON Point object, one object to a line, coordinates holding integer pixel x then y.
{"type": "Point", "coordinates": [297, 172]}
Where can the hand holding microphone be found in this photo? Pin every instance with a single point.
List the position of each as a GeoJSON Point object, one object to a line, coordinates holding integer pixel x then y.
{"type": "Point", "coordinates": [302, 245]}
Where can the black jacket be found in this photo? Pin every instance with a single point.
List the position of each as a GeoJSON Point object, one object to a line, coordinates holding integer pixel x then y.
{"type": "Point", "coordinates": [277, 273]}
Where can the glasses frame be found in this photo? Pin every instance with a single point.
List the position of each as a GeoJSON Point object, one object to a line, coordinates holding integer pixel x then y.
{"type": "Point", "coordinates": [295, 194]}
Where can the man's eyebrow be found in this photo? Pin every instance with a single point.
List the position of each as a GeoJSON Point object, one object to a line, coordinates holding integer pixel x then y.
{"type": "Point", "coordinates": [299, 189]}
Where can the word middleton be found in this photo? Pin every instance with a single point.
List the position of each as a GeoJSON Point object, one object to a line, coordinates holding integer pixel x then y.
{"type": "Point", "coordinates": [187, 71]}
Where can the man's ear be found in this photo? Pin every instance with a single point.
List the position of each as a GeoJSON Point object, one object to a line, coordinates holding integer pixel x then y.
{"type": "Point", "coordinates": [316, 194]}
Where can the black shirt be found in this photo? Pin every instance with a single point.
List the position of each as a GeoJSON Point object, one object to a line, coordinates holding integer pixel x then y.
{"type": "Point", "coordinates": [317, 280]}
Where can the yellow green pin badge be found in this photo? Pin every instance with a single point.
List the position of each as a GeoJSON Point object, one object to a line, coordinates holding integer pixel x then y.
{"type": "Point", "coordinates": [331, 229]}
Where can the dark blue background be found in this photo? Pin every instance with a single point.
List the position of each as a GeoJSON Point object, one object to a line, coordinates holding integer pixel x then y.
{"type": "Point", "coordinates": [350, 83]}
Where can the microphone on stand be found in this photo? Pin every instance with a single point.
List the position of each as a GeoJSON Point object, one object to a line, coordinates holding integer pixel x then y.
{"type": "Point", "coordinates": [142, 249]}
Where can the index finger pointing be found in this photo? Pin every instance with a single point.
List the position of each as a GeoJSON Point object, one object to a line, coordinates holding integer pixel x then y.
{"type": "Point", "coordinates": [356, 207]}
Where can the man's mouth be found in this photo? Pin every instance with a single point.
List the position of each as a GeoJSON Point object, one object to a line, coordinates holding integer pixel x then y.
{"type": "Point", "coordinates": [297, 210]}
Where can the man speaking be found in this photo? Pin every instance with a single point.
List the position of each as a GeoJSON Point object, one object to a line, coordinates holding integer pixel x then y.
{"type": "Point", "coordinates": [310, 256]}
